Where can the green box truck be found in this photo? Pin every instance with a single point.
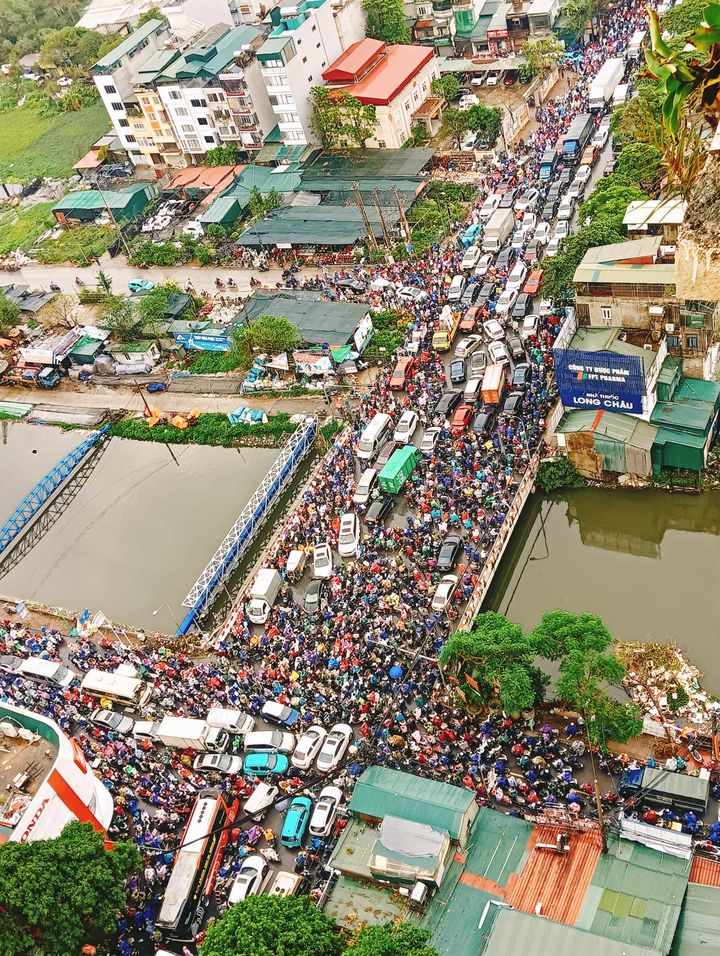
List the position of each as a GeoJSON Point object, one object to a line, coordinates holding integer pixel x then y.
{"type": "Point", "coordinates": [399, 468]}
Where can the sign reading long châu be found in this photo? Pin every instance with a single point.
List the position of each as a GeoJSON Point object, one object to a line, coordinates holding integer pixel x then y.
{"type": "Point", "coordinates": [600, 380]}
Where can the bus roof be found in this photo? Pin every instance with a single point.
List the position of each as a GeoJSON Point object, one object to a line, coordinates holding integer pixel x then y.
{"type": "Point", "coordinates": [578, 126]}
{"type": "Point", "coordinates": [398, 461]}
{"type": "Point", "coordinates": [108, 681]}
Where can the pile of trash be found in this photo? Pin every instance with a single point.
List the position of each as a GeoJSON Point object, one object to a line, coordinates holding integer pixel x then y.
{"type": "Point", "coordinates": [247, 416]}
{"type": "Point", "coordinates": [664, 684]}
{"type": "Point", "coordinates": [258, 376]}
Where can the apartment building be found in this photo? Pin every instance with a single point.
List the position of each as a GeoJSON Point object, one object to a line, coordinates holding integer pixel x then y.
{"type": "Point", "coordinates": [432, 23]}
{"type": "Point", "coordinates": [114, 77]}
{"type": "Point", "coordinates": [304, 41]}
{"type": "Point", "coordinates": [214, 93]}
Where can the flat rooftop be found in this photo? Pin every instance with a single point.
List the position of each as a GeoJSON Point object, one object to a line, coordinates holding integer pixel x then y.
{"type": "Point", "coordinates": [23, 768]}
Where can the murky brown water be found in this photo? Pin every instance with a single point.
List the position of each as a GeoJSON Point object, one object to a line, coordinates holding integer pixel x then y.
{"type": "Point", "coordinates": [138, 533]}
{"type": "Point", "coordinates": [647, 562]}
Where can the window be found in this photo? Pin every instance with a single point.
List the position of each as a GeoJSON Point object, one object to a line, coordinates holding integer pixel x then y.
{"type": "Point", "coordinates": [273, 64]}
{"type": "Point", "coordinates": [130, 139]}
{"type": "Point", "coordinates": [692, 342]}
{"type": "Point", "coordinates": [416, 96]}
{"type": "Point", "coordinates": [174, 94]}
{"type": "Point", "coordinates": [209, 139]}
{"type": "Point", "coordinates": [203, 122]}
{"type": "Point", "coordinates": [213, 97]}
{"type": "Point", "coordinates": [673, 341]}
{"type": "Point", "coordinates": [123, 122]}
{"type": "Point", "coordinates": [407, 106]}
{"type": "Point", "coordinates": [281, 99]}
{"type": "Point", "coordinates": [110, 88]}
{"type": "Point", "coordinates": [188, 128]}
{"type": "Point", "coordinates": [606, 313]}
{"type": "Point", "coordinates": [118, 107]}
{"type": "Point", "coordinates": [181, 111]}
{"type": "Point", "coordinates": [198, 103]}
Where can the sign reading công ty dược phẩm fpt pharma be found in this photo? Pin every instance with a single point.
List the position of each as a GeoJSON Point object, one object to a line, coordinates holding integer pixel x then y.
{"type": "Point", "coordinates": [600, 380]}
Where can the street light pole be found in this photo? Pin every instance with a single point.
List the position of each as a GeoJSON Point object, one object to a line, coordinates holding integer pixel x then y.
{"type": "Point", "coordinates": [172, 614]}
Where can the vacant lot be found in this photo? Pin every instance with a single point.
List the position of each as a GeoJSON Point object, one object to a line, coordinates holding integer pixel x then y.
{"type": "Point", "coordinates": [32, 145]}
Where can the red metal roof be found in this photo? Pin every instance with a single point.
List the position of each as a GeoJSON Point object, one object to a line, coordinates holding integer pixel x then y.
{"type": "Point", "coordinates": [381, 82]}
{"type": "Point", "coordinates": [355, 61]}
{"type": "Point", "coordinates": [705, 872]}
{"type": "Point", "coordinates": [557, 882]}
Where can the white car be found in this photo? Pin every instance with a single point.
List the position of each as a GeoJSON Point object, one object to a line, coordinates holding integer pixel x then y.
{"type": "Point", "coordinates": [444, 592]}
{"type": "Point", "coordinates": [325, 811]}
{"type": "Point", "coordinates": [481, 269]}
{"type": "Point", "coordinates": [497, 353]}
{"type": "Point", "coordinates": [111, 720]}
{"type": "Point", "coordinates": [430, 440]}
{"type": "Point", "coordinates": [493, 79]}
{"type": "Point", "coordinates": [469, 260]}
{"type": "Point", "coordinates": [583, 174]}
{"type": "Point", "coordinates": [518, 239]}
{"type": "Point", "coordinates": [411, 293]}
{"type": "Point", "coordinates": [493, 329]}
{"type": "Point", "coordinates": [576, 189]}
{"type": "Point", "coordinates": [545, 307]}
{"type": "Point", "coordinates": [468, 345]}
{"type": "Point", "coordinates": [405, 428]}
{"type": "Point", "coordinates": [553, 247]}
{"type": "Point", "coordinates": [529, 221]}
{"type": "Point", "coordinates": [529, 326]}
{"type": "Point", "coordinates": [349, 535]}
{"type": "Point", "coordinates": [516, 279]}
{"type": "Point", "coordinates": [193, 229]}
{"type": "Point", "coordinates": [601, 137]}
{"type": "Point", "coordinates": [505, 303]}
{"type": "Point", "coordinates": [218, 763]}
{"type": "Point", "coordinates": [308, 746]}
{"type": "Point", "coordinates": [562, 229]}
{"type": "Point", "coordinates": [468, 140]}
{"type": "Point", "coordinates": [566, 207]}
{"type": "Point", "coordinates": [252, 876]}
{"type": "Point", "coordinates": [334, 747]}
{"type": "Point", "coordinates": [542, 233]}
{"type": "Point", "coordinates": [527, 201]}
{"type": "Point", "coordinates": [365, 487]}
{"type": "Point", "coordinates": [322, 560]}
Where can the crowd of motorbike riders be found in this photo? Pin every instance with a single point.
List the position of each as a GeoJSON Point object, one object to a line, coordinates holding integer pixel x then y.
{"type": "Point", "coordinates": [369, 658]}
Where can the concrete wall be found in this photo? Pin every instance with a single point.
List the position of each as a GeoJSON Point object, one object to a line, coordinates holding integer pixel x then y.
{"type": "Point", "coordinates": [349, 19]}
{"type": "Point", "coordinates": [697, 270]}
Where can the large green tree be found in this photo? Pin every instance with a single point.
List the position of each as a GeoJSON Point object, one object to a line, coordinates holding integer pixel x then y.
{"type": "Point", "coordinates": [484, 119]}
{"type": "Point", "coordinates": [75, 47]}
{"type": "Point", "coordinates": [266, 333]}
{"type": "Point", "coordinates": [340, 119]}
{"type": "Point", "coordinates": [609, 203]}
{"type": "Point", "coordinates": [385, 20]}
{"type": "Point", "coordinates": [576, 14]}
{"type": "Point", "coordinates": [559, 270]}
{"type": "Point", "coordinates": [9, 315]}
{"type": "Point", "coordinates": [22, 23]}
{"type": "Point", "coordinates": [59, 895]}
{"type": "Point", "coordinates": [122, 318]}
{"type": "Point", "coordinates": [273, 926]}
{"type": "Point", "coordinates": [543, 54]}
{"type": "Point", "coordinates": [455, 123]}
{"type": "Point", "coordinates": [446, 86]}
{"type": "Point", "coordinates": [392, 939]}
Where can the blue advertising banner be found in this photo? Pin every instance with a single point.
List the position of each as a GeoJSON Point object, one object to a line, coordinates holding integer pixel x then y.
{"type": "Point", "coordinates": [600, 380]}
{"type": "Point", "coordinates": [203, 343]}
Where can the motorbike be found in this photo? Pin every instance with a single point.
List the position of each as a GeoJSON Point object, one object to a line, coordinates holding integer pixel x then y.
{"type": "Point", "coordinates": [54, 287]}
{"type": "Point", "coordinates": [79, 282]}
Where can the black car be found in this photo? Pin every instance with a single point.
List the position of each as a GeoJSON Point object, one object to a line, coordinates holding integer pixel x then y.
{"type": "Point", "coordinates": [484, 142]}
{"type": "Point", "coordinates": [472, 291]}
{"type": "Point", "coordinates": [463, 91]}
{"type": "Point", "coordinates": [523, 305]}
{"type": "Point", "coordinates": [312, 602]}
{"type": "Point", "coordinates": [616, 147]}
{"type": "Point", "coordinates": [379, 510]}
{"type": "Point", "coordinates": [351, 285]}
{"type": "Point", "coordinates": [458, 371]}
{"type": "Point", "coordinates": [512, 403]}
{"type": "Point", "coordinates": [506, 259]}
{"type": "Point", "coordinates": [565, 178]}
{"type": "Point", "coordinates": [515, 348]}
{"type": "Point", "coordinates": [485, 294]}
{"type": "Point", "coordinates": [448, 402]}
{"type": "Point", "coordinates": [508, 200]}
{"type": "Point", "coordinates": [483, 422]}
{"type": "Point", "coordinates": [550, 208]}
{"type": "Point", "coordinates": [450, 551]}
{"type": "Point", "coordinates": [521, 375]}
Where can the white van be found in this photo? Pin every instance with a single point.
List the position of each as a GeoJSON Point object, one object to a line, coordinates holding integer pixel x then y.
{"type": "Point", "coordinates": [121, 687]}
{"type": "Point", "coordinates": [260, 801]}
{"type": "Point", "coordinates": [637, 41]}
{"type": "Point", "coordinates": [285, 884]}
{"type": "Point", "coordinates": [374, 436]}
{"type": "Point", "coordinates": [471, 392]}
{"type": "Point", "coordinates": [457, 287]}
{"type": "Point", "coordinates": [234, 721]}
{"type": "Point", "coordinates": [489, 206]}
{"type": "Point", "coordinates": [261, 740]}
{"type": "Point", "coordinates": [365, 487]}
{"type": "Point", "coordinates": [40, 670]}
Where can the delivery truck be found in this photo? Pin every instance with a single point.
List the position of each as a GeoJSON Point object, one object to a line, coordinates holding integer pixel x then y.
{"type": "Point", "coordinates": [445, 333]}
{"type": "Point", "coordinates": [577, 138]}
{"type": "Point", "coordinates": [493, 384]}
{"type": "Point", "coordinates": [263, 592]}
{"type": "Point", "coordinates": [605, 83]}
{"type": "Point", "coordinates": [401, 465]}
{"type": "Point", "coordinates": [499, 227]}
{"type": "Point", "coordinates": [187, 733]}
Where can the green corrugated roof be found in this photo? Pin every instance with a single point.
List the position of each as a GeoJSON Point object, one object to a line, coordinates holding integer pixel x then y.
{"type": "Point", "coordinates": [698, 388]}
{"type": "Point", "coordinates": [669, 370]}
{"type": "Point", "coordinates": [381, 792]}
{"type": "Point", "coordinates": [328, 224]}
{"type": "Point", "coordinates": [224, 209]}
{"type": "Point", "coordinates": [128, 45]}
{"type": "Point", "coordinates": [130, 347]}
{"type": "Point", "coordinates": [686, 415]}
{"type": "Point", "coordinates": [635, 895]}
{"type": "Point", "coordinates": [627, 429]}
{"type": "Point", "coordinates": [353, 165]}
{"type": "Point", "coordinates": [95, 199]}
{"type": "Point", "coordinates": [211, 55]}
{"type": "Point", "coordinates": [87, 345]}
{"type": "Point", "coordinates": [672, 436]}
{"type": "Point", "coordinates": [514, 932]}
{"type": "Point", "coordinates": [319, 320]}
{"type": "Point", "coordinates": [698, 932]}
{"type": "Point", "coordinates": [273, 46]}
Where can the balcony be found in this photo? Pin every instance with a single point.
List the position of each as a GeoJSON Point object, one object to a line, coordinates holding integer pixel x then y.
{"type": "Point", "coordinates": [442, 9]}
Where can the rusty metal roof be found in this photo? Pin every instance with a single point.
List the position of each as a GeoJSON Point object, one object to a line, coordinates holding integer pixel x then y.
{"type": "Point", "coordinates": [705, 871]}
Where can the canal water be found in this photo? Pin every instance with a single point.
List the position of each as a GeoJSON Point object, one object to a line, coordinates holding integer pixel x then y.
{"type": "Point", "coordinates": [136, 535]}
{"type": "Point", "coordinates": [647, 562]}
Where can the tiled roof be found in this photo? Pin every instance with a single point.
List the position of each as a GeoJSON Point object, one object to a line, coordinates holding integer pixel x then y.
{"type": "Point", "coordinates": [391, 74]}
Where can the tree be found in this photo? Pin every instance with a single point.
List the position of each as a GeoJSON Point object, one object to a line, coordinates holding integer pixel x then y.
{"type": "Point", "coordinates": [75, 47]}
{"type": "Point", "coordinates": [392, 939]}
{"type": "Point", "coordinates": [557, 474]}
{"type": "Point", "coordinates": [385, 20]}
{"type": "Point", "coordinates": [122, 318]}
{"type": "Point", "coordinates": [269, 925]}
{"type": "Point", "coordinates": [683, 17]}
{"type": "Point", "coordinates": [154, 13]}
{"type": "Point", "coordinates": [266, 333]}
{"type": "Point", "coordinates": [560, 270]}
{"type": "Point", "coordinates": [500, 657]}
{"type": "Point", "coordinates": [9, 315]}
{"type": "Point", "coordinates": [446, 86]}
{"type": "Point", "coordinates": [59, 895]}
{"type": "Point", "coordinates": [227, 155]}
{"type": "Point", "coordinates": [153, 304]}
{"type": "Point", "coordinates": [486, 120]}
{"type": "Point", "coordinates": [260, 206]}
{"type": "Point", "coordinates": [64, 311]}
{"type": "Point", "coordinates": [576, 14]}
{"type": "Point", "coordinates": [340, 119]}
{"type": "Point", "coordinates": [610, 202]}
{"type": "Point", "coordinates": [454, 124]}
{"type": "Point", "coordinates": [542, 55]}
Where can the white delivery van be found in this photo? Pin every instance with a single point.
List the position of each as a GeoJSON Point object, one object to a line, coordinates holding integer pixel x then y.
{"type": "Point", "coordinates": [263, 592]}
{"type": "Point", "coordinates": [188, 733]}
{"type": "Point", "coordinates": [620, 94]}
{"type": "Point", "coordinates": [285, 884]}
{"type": "Point", "coordinates": [41, 671]}
{"type": "Point", "coordinates": [119, 686]}
{"type": "Point", "coordinates": [374, 436]}
{"type": "Point", "coordinates": [234, 721]}
{"type": "Point", "coordinates": [457, 287]}
{"type": "Point", "coordinates": [260, 801]}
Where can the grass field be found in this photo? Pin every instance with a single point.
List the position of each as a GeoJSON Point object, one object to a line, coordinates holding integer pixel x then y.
{"type": "Point", "coordinates": [32, 145]}
{"type": "Point", "coordinates": [20, 228]}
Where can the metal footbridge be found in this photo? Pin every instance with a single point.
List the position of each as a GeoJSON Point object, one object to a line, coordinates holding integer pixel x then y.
{"type": "Point", "coordinates": [37, 498]}
{"type": "Point", "coordinates": [248, 524]}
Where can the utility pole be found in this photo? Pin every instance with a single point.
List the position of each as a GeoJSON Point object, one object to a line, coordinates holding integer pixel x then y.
{"type": "Point", "coordinates": [383, 225]}
{"type": "Point", "coordinates": [403, 218]}
{"type": "Point", "coordinates": [372, 241]}
{"type": "Point", "coordinates": [601, 818]}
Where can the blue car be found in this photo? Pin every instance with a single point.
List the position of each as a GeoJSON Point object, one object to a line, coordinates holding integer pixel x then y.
{"type": "Point", "coordinates": [296, 822]}
{"type": "Point", "coordinates": [276, 713]}
{"type": "Point", "coordinates": [264, 763]}
{"type": "Point", "coordinates": [141, 285]}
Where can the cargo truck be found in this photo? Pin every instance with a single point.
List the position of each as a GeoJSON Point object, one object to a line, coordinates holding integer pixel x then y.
{"type": "Point", "coordinates": [263, 592]}
{"type": "Point", "coordinates": [401, 465]}
{"type": "Point", "coordinates": [493, 384]}
{"type": "Point", "coordinates": [499, 227]}
{"type": "Point", "coordinates": [577, 138]}
{"type": "Point", "coordinates": [605, 83]}
{"type": "Point", "coordinates": [187, 733]}
{"type": "Point", "coordinates": [444, 334]}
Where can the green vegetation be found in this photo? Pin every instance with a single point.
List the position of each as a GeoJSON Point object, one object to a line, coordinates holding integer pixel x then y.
{"type": "Point", "coordinates": [39, 912]}
{"type": "Point", "coordinates": [446, 86]}
{"type": "Point", "coordinates": [330, 429]}
{"type": "Point", "coordinates": [144, 252]}
{"type": "Point", "coordinates": [19, 228]}
{"type": "Point", "coordinates": [486, 120]}
{"type": "Point", "coordinates": [210, 363]}
{"type": "Point", "coordinates": [576, 14]}
{"type": "Point", "coordinates": [340, 119]}
{"type": "Point", "coordinates": [227, 155]}
{"type": "Point", "coordinates": [454, 124]}
{"type": "Point", "coordinates": [130, 319]}
{"type": "Point", "coordinates": [75, 47]}
{"type": "Point", "coordinates": [385, 20]}
{"type": "Point", "coordinates": [34, 146]}
{"type": "Point", "coordinates": [392, 939]}
{"type": "Point", "coordinates": [211, 428]}
{"type": "Point", "coordinates": [22, 22]}
{"type": "Point", "coordinates": [266, 333]}
{"type": "Point", "coordinates": [542, 55]}
{"type": "Point", "coordinates": [261, 206]}
{"type": "Point", "coordinates": [9, 315]}
{"type": "Point", "coordinates": [81, 245]}
{"type": "Point", "coordinates": [389, 334]}
{"type": "Point", "coordinates": [432, 216]}
{"type": "Point", "coordinates": [558, 474]}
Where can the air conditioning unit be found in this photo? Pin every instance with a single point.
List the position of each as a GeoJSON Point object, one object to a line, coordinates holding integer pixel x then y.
{"type": "Point", "coordinates": [656, 309]}
{"type": "Point", "coordinates": [648, 346]}
{"type": "Point", "coordinates": [669, 326]}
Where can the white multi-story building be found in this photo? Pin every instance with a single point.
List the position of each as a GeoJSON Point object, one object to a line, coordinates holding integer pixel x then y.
{"type": "Point", "coordinates": [114, 77]}
{"type": "Point", "coordinates": [304, 41]}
